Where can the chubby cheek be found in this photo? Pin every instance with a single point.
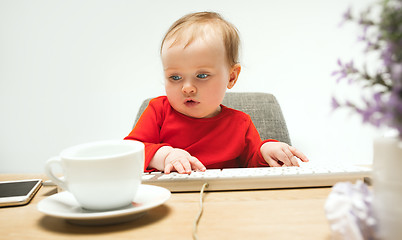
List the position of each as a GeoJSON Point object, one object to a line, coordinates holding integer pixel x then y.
{"type": "Point", "coordinates": [173, 94]}
{"type": "Point", "coordinates": [171, 89]}
{"type": "Point", "coordinates": [215, 95]}
{"type": "Point", "coordinates": [216, 92]}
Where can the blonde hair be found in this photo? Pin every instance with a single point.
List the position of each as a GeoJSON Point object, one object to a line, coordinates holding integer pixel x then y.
{"type": "Point", "coordinates": [196, 23]}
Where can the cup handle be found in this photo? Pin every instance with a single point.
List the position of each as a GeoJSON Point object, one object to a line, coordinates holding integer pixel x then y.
{"type": "Point", "coordinates": [50, 174]}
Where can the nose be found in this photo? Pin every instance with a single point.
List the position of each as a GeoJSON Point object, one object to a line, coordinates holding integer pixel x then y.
{"type": "Point", "coordinates": [189, 88]}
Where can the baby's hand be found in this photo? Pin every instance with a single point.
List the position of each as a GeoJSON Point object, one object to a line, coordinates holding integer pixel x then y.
{"type": "Point", "coordinates": [277, 154]}
{"type": "Point", "coordinates": [182, 161]}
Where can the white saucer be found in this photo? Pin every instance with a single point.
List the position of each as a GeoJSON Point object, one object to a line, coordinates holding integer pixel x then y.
{"type": "Point", "coordinates": [63, 205]}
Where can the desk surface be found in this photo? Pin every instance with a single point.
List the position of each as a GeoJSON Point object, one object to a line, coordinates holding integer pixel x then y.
{"type": "Point", "coordinates": [261, 214]}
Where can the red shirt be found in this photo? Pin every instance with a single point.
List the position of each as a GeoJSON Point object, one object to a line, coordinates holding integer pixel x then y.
{"type": "Point", "coordinates": [227, 140]}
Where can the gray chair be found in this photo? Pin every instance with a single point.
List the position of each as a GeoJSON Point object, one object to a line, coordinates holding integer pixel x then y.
{"type": "Point", "coordinates": [263, 109]}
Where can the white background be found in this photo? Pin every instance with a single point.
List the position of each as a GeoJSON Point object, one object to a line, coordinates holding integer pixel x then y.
{"type": "Point", "coordinates": [76, 71]}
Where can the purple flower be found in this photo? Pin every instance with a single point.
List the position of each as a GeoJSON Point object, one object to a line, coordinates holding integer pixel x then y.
{"type": "Point", "coordinates": [334, 103]}
{"type": "Point", "coordinates": [387, 53]}
{"type": "Point", "coordinates": [377, 97]}
{"type": "Point", "coordinates": [385, 40]}
{"type": "Point", "coordinates": [346, 16]}
{"type": "Point", "coordinates": [363, 37]}
{"type": "Point", "coordinates": [344, 71]}
{"type": "Point", "coordinates": [396, 73]}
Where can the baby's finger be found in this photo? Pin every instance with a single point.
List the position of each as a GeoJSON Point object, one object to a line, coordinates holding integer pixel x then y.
{"type": "Point", "coordinates": [298, 154]}
{"type": "Point", "coordinates": [283, 157]}
{"type": "Point", "coordinates": [186, 165]}
{"type": "Point", "coordinates": [273, 163]}
{"type": "Point", "coordinates": [196, 164]}
{"type": "Point", "coordinates": [168, 168]}
{"type": "Point", "coordinates": [294, 161]}
{"type": "Point", "coordinates": [179, 167]}
{"type": "Point", "coordinates": [290, 156]}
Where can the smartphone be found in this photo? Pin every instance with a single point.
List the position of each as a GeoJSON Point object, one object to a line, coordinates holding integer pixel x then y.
{"type": "Point", "coordinates": [19, 192]}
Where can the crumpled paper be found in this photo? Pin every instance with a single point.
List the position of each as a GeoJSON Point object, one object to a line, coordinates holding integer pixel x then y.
{"type": "Point", "coordinates": [350, 212]}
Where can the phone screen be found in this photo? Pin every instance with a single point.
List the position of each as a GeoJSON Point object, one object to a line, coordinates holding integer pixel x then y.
{"type": "Point", "coordinates": [14, 189]}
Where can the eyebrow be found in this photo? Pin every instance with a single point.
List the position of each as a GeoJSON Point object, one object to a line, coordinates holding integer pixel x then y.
{"type": "Point", "coordinates": [170, 69]}
{"type": "Point", "coordinates": [203, 67]}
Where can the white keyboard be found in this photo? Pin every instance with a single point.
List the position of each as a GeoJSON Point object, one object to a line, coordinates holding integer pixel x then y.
{"type": "Point", "coordinates": [257, 178]}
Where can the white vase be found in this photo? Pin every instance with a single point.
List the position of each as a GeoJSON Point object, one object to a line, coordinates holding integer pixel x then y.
{"type": "Point", "coordinates": [387, 186]}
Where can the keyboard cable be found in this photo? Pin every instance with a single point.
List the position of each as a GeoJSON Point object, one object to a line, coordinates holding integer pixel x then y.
{"type": "Point", "coordinates": [197, 219]}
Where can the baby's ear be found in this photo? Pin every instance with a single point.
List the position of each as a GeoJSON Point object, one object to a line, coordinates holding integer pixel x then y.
{"type": "Point", "coordinates": [234, 75]}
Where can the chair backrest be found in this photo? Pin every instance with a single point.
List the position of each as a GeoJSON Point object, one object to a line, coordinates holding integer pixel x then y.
{"type": "Point", "coordinates": [263, 109]}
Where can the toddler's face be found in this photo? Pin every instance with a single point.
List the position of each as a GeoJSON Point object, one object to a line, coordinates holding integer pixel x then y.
{"type": "Point", "coordinates": [197, 75]}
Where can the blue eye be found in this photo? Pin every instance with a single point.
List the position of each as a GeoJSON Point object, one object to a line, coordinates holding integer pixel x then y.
{"type": "Point", "coordinates": [175, 78]}
{"type": "Point", "coordinates": [202, 75]}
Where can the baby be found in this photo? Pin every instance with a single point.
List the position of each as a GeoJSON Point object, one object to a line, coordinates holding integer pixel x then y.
{"type": "Point", "coordinates": [189, 129]}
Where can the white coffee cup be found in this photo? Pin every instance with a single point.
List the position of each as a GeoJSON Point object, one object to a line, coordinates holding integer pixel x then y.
{"type": "Point", "coordinates": [102, 175]}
